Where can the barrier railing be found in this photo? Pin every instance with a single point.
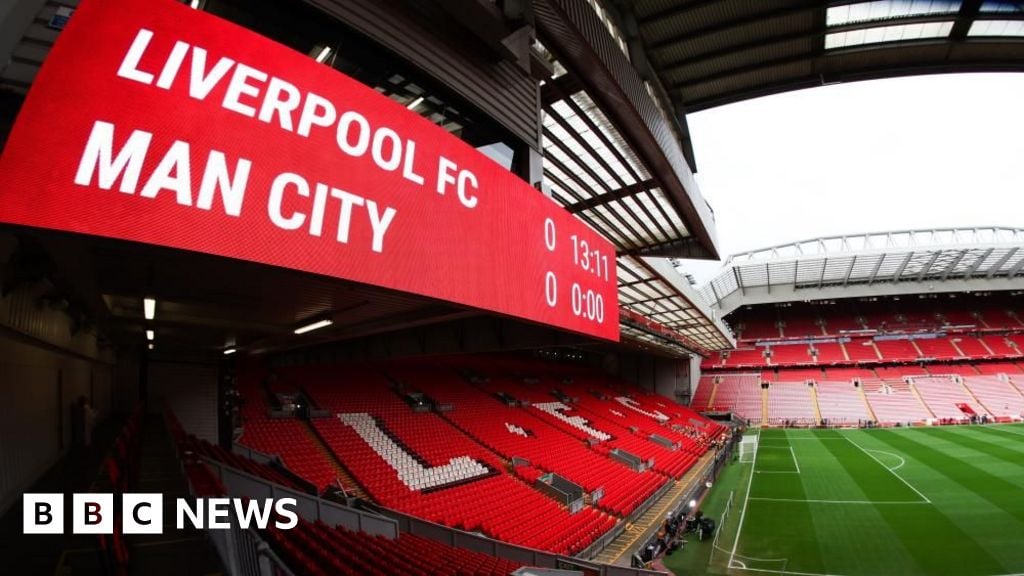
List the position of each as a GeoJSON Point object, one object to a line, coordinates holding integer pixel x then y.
{"type": "Point", "coordinates": [523, 555]}
{"type": "Point", "coordinates": [601, 543]}
{"type": "Point", "coordinates": [239, 483]}
{"type": "Point", "coordinates": [389, 525]}
{"type": "Point", "coordinates": [243, 553]}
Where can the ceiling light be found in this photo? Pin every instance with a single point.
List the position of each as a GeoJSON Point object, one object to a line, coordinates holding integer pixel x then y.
{"type": "Point", "coordinates": [314, 326]}
{"type": "Point", "coordinates": [415, 103]}
{"type": "Point", "coordinates": [150, 335]}
{"type": "Point", "coordinates": [151, 346]}
{"type": "Point", "coordinates": [149, 308]}
{"type": "Point", "coordinates": [323, 54]}
{"type": "Point", "coordinates": [229, 351]}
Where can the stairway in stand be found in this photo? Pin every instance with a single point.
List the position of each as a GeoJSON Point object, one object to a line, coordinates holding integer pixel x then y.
{"type": "Point", "coordinates": [871, 410]}
{"type": "Point", "coordinates": [814, 401]}
{"type": "Point", "coordinates": [970, 393]}
{"type": "Point", "coordinates": [917, 394]}
{"type": "Point", "coordinates": [619, 550]}
{"type": "Point", "coordinates": [714, 390]}
{"type": "Point", "coordinates": [351, 486]}
{"type": "Point", "coordinates": [764, 406]}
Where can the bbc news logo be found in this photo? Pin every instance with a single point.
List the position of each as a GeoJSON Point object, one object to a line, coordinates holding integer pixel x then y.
{"type": "Point", "coordinates": [144, 513]}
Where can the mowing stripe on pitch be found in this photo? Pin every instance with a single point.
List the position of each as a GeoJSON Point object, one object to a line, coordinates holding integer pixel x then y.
{"type": "Point", "coordinates": [891, 471]}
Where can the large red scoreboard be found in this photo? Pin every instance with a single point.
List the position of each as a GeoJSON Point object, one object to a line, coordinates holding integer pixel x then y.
{"type": "Point", "coordinates": [156, 123]}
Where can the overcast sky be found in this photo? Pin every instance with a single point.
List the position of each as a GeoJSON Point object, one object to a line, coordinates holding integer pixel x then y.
{"type": "Point", "coordinates": [906, 153]}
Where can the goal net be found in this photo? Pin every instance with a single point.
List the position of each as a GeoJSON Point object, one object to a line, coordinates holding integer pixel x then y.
{"type": "Point", "coordinates": [748, 445]}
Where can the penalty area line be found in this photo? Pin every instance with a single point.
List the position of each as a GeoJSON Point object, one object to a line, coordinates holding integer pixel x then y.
{"type": "Point", "coordinates": [766, 499]}
{"type": "Point", "coordinates": [891, 471]}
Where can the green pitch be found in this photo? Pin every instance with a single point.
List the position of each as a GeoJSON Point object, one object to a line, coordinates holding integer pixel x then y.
{"type": "Point", "coordinates": [946, 501]}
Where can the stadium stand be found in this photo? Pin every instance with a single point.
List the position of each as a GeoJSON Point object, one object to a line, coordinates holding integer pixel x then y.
{"type": "Point", "coordinates": [897, 350]}
{"type": "Point", "coordinates": [791, 354]}
{"type": "Point", "coordinates": [513, 432]}
{"type": "Point", "coordinates": [791, 402]}
{"type": "Point", "coordinates": [745, 357]}
{"type": "Point", "coordinates": [315, 549]}
{"type": "Point", "coordinates": [862, 350]}
{"type": "Point", "coordinates": [945, 351]}
{"type": "Point", "coordinates": [894, 402]}
{"type": "Point", "coordinates": [997, 394]}
{"type": "Point", "coordinates": [289, 439]}
{"type": "Point", "coordinates": [946, 397]}
{"type": "Point", "coordinates": [453, 466]}
{"type": "Point", "coordinates": [841, 402]}
{"type": "Point", "coordinates": [740, 393]}
{"type": "Point", "coordinates": [937, 348]}
{"type": "Point", "coordinates": [830, 353]}
{"type": "Point", "coordinates": [704, 396]}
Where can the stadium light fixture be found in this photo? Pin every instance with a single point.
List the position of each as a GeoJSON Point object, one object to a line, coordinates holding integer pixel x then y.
{"type": "Point", "coordinates": [149, 308]}
{"type": "Point", "coordinates": [151, 345]}
{"type": "Point", "coordinates": [415, 103]}
{"type": "Point", "coordinates": [314, 326]}
{"type": "Point", "coordinates": [150, 335]}
{"type": "Point", "coordinates": [229, 351]}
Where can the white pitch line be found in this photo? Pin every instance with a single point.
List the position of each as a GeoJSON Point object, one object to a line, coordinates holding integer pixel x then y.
{"type": "Point", "coordinates": [872, 456]}
{"type": "Point", "coordinates": [836, 501]}
{"type": "Point", "coordinates": [777, 472]}
{"type": "Point", "coordinates": [746, 499]}
{"type": "Point", "coordinates": [898, 466]}
{"type": "Point", "coordinates": [795, 463]}
{"type": "Point", "coordinates": [765, 570]}
{"type": "Point", "coordinates": [814, 439]}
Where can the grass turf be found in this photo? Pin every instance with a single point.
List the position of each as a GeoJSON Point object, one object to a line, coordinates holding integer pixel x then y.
{"type": "Point", "coordinates": [868, 502]}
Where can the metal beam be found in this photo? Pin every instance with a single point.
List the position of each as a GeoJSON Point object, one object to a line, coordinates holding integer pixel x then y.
{"type": "Point", "coordinates": [573, 33]}
{"type": "Point", "coordinates": [609, 197]}
{"type": "Point", "coordinates": [928, 268]}
{"type": "Point", "coordinates": [964, 19]}
{"type": "Point", "coordinates": [903, 265]}
{"type": "Point", "coordinates": [719, 27]}
{"type": "Point", "coordinates": [658, 299]}
{"type": "Point", "coordinates": [1016, 268]}
{"type": "Point", "coordinates": [672, 66]}
{"type": "Point", "coordinates": [1006, 258]}
{"type": "Point", "coordinates": [952, 264]}
{"type": "Point", "coordinates": [739, 280]}
{"type": "Point", "coordinates": [849, 271]}
{"type": "Point", "coordinates": [878, 266]}
{"type": "Point", "coordinates": [558, 89]}
{"type": "Point", "coordinates": [809, 57]}
{"type": "Point", "coordinates": [977, 263]}
{"type": "Point", "coordinates": [688, 247]}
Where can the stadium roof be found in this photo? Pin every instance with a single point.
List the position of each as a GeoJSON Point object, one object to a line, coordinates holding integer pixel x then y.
{"type": "Point", "coordinates": [712, 52]}
{"type": "Point", "coordinates": [874, 264]}
{"type": "Point", "coordinates": [675, 313]}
